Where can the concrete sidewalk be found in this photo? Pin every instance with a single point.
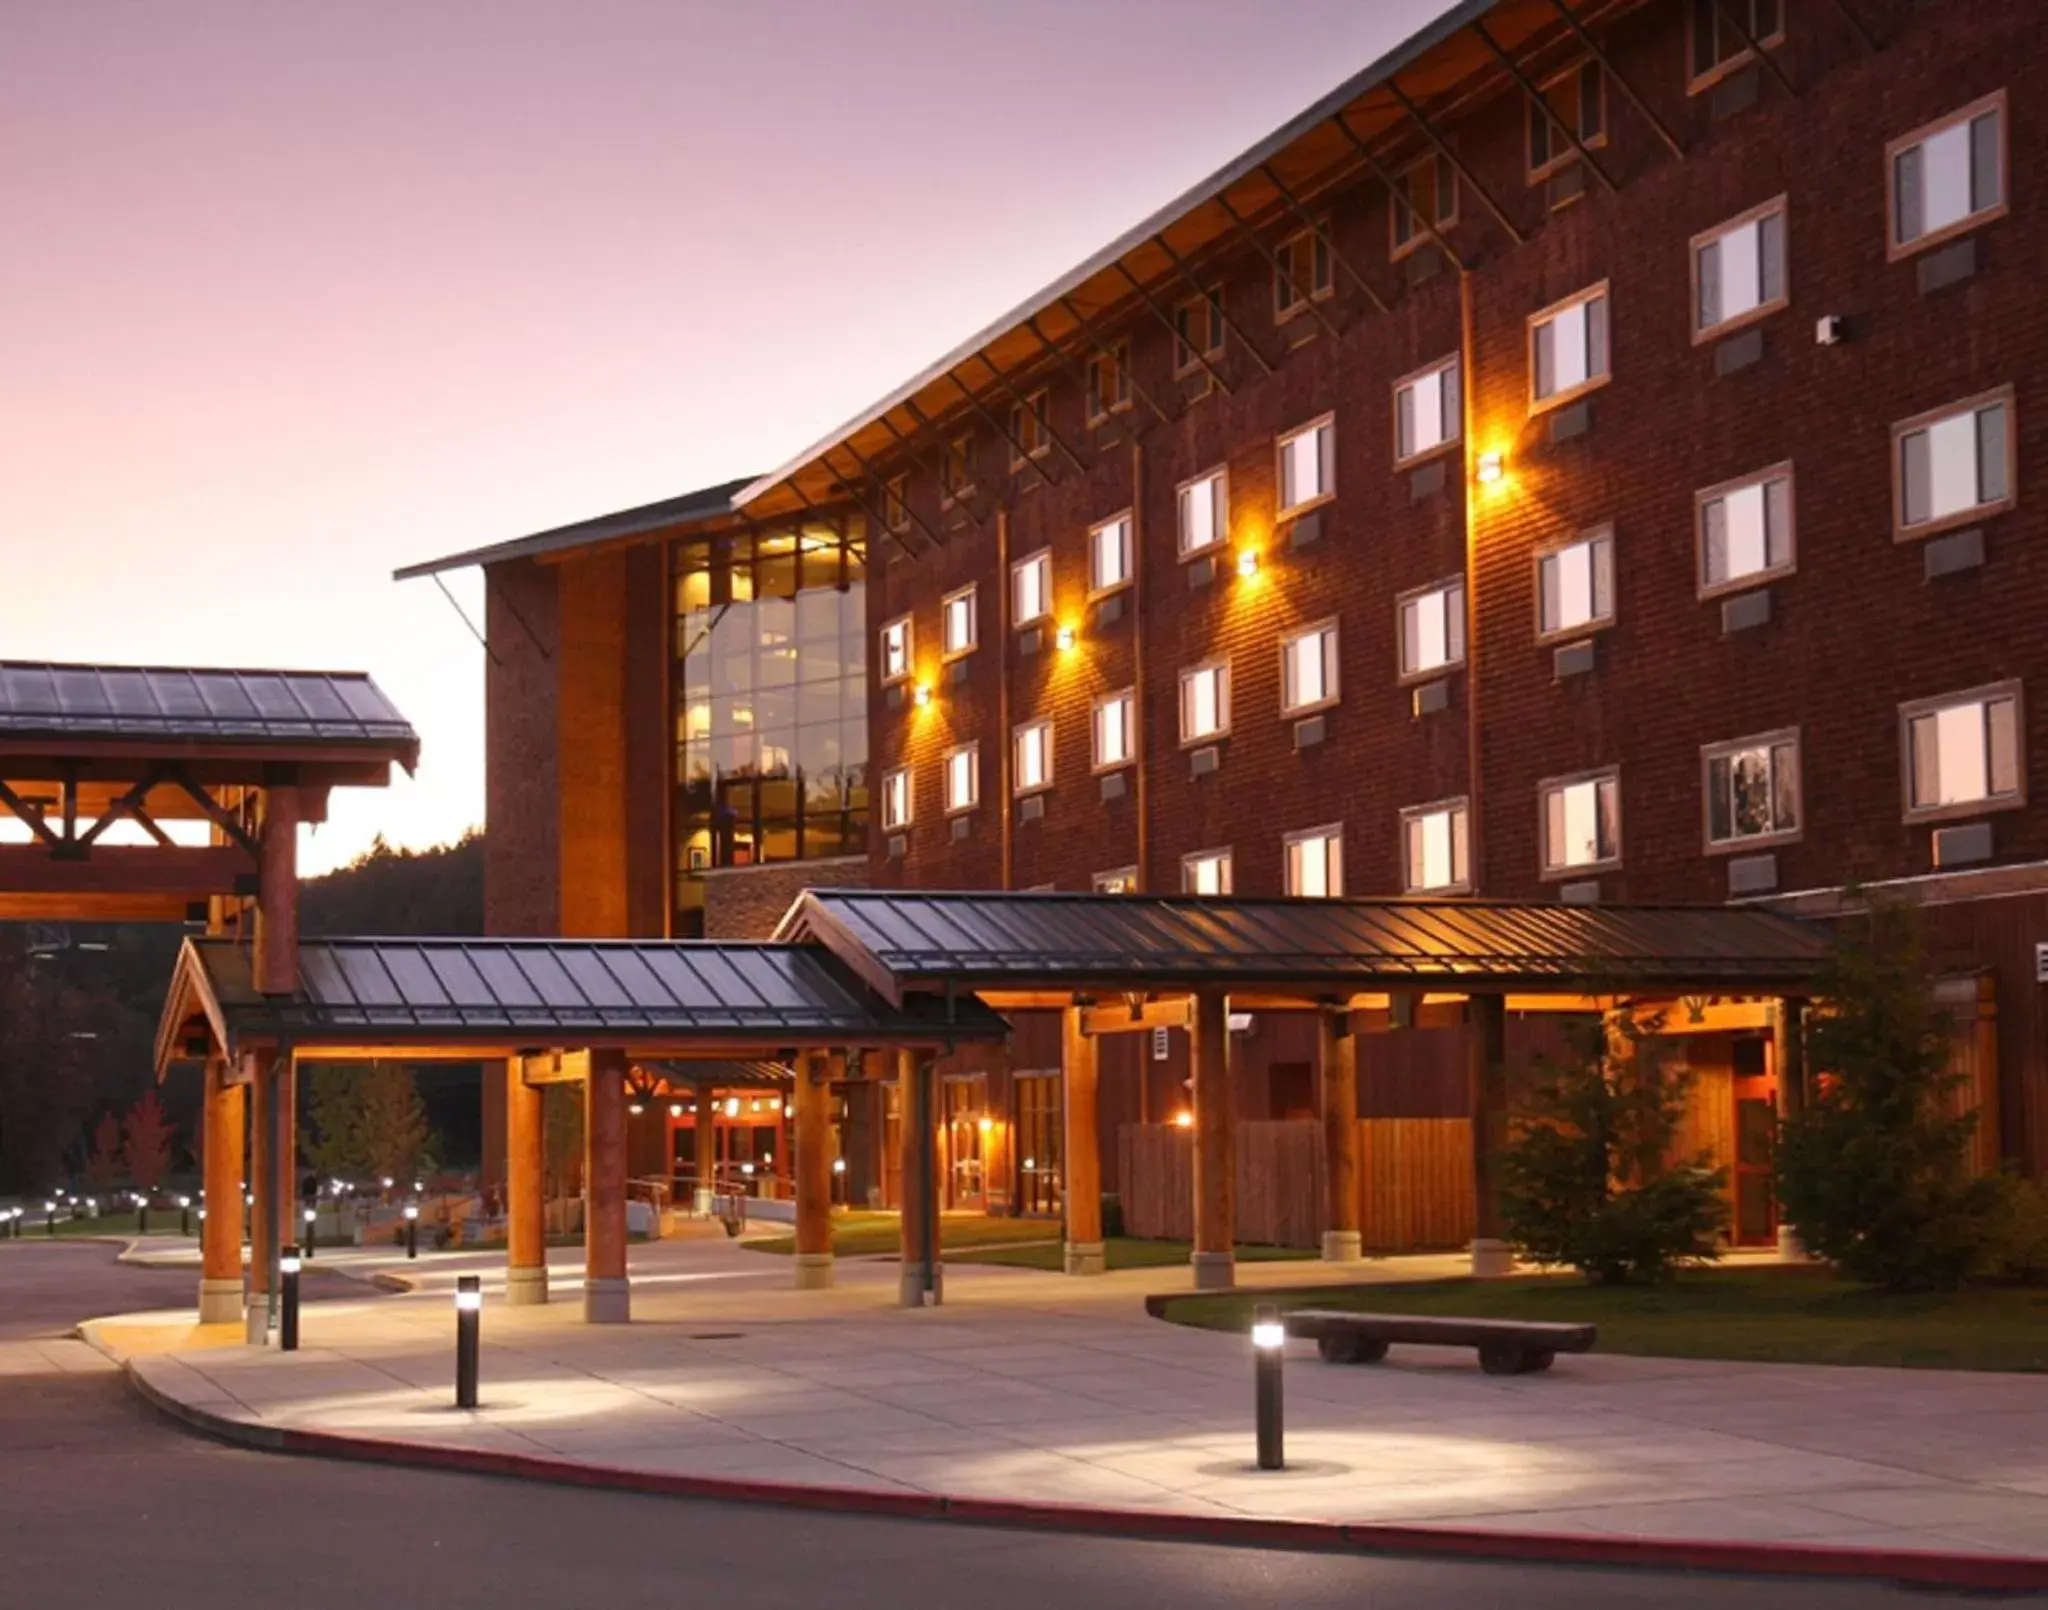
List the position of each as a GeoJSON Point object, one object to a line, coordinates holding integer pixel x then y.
{"type": "Point", "coordinates": [1038, 1388]}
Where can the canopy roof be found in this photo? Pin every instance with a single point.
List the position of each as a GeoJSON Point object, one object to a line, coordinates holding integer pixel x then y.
{"type": "Point", "coordinates": [903, 941]}
{"type": "Point", "coordinates": [422, 998]}
{"type": "Point", "coordinates": [705, 506]}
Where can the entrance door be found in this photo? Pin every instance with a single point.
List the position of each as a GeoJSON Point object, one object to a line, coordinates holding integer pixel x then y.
{"type": "Point", "coordinates": [965, 1109]}
{"type": "Point", "coordinates": [1756, 1145]}
{"type": "Point", "coordinates": [1040, 1135]}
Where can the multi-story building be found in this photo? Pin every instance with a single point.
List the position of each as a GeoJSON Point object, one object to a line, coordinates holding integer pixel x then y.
{"type": "Point", "coordinates": [1582, 457]}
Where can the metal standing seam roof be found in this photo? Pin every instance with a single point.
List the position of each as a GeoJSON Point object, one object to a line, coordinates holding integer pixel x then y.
{"type": "Point", "coordinates": [708, 503]}
{"type": "Point", "coordinates": [160, 703]}
{"type": "Point", "coordinates": [981, 940]}
{"type": "Point", "coordinates": [561, 992]}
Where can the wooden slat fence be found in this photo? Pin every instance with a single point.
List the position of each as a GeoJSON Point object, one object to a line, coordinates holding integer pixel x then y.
{"type": "Point", "coordinates": [1415, 1177]}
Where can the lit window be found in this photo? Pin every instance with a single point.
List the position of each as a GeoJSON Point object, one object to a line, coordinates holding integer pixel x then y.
{"type": "Point", "coordinates": [1963, 752]}
{"type": "Point", "coordinates": [896, 798]}
{"type": "Point", "coordinates": [1109, 555]}
{"type": "Point", "coordinates": [1428, 411]}
{"type": "Point", "coordinates": [1433, 629]}
{"type": "Point", "coordinates": [1425, 196]}
{"type": "Point", "coordinates": [1745, 530]}
{"type": "Point", "coordinates": [958, 469]}
{"type": "Point", "coordinates": [1031, 588]}
{"type": "Point", "coordinates": [1124, 880]}
{"type": "Point", "coordinates": [1205, 701]}
{"type": "Point", "coordinates": [1109, 382]}
{"type": "Point", "coordinates": [896, 650]}
{"type": "Point", "coordinates": [1030, 436]}
{"type": "Point", "coordinates": [1716, 40]}
{"type": "Point", "coordinates": [957, 615]}
{"type": "Point", "coordinates": [1114, 733]}
{"type": "Point", "coordinates": [1575, 585]}
{"type": "Point", "coordinates": [1948, 177]}
{"type": "Point", "coordinates": [1954, 464]}
{"type": "Point", "coordinates": [1753, 789]}
{"type": "Point", "coordinates": [1739, 269]}
{"type": "Point", "coordinates": [1197, 332]}
{"type": "Point", "coordinates": [896, 502]}
{"type": "Point", "coordinates": [1568, 347]}
{"type": "Point", "coordinates": [1308, 465]}
{"type": "Point", "coordinates": [1302, 272]}
{"type": "Point", "coordinates": [1033, 757]}
{"type": "Point", "coordinates": [963, 778]}
{"type": "Point", "coordinates": [1204, 511]}
{"type": "Point", "coordinates": [1581, 822]}
{"type": "Point", "coordinates": [1308, 669]}
{"type": "Point", "coordinates": [1578, 98]}
{"type": "Point", "coordinates": [1315, 863]}
{"type": "Point", "coordinates": [1205, 872]}
{"type": "Point", "coordinates": [1433, 848]}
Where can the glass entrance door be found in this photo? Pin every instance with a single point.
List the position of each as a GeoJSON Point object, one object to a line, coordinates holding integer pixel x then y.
{"type": "Point", "coordinates": [1040, 1135]}
{"type": "Point", "coordinates": [965, 1109]}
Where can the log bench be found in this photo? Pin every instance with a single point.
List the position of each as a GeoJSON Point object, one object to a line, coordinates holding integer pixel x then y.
{"type": "Point", "coordinates": [1505, 1346]}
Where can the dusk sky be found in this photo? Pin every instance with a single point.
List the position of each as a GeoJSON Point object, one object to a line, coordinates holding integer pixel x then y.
{"type": "Point", "coordinates": [293, 293]}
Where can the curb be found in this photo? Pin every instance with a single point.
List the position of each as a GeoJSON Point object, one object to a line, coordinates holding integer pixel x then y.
{"type": "Point", "coordinates": [1919, 1568]}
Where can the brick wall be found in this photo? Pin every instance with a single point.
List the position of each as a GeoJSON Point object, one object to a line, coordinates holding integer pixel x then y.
{"type": "Point", "coordinates": [521, 776]}
{"type": "Point", "coordinates": [747, 902]}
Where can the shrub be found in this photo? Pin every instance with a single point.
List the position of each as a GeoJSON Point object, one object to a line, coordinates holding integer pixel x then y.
{"type": "Point", "coordinates": [1874, 1173]}
{"type": "Point", "coordinates": [1585, 1174]}
{"type": "Point", "coordinates": [2022, 1244]}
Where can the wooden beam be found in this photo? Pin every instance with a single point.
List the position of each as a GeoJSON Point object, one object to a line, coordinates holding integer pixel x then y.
{"type": "Point", "coordinates": [20, 907]}
{"type": "Point", "coordinates": [1176, 1013]}
{"type": "Point", "coordinates": [189, 871]}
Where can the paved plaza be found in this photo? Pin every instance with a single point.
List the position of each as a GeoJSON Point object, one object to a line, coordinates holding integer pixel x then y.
{"type": "Point", "coordinates": [1036, 1387]}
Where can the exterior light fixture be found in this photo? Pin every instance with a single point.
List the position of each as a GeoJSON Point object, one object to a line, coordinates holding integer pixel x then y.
{"type": "Point", "coordinates": [636, 1108]}
{"type": "Point", "coordinates": [732, 1106]}
{"type": "Point", "coordinates": [248, 1199]}
{"type": "Point", "coordinates": [746, 1168]}
{"type": "Point", "coordinates": [1269, 1347]}
{"type": "Point", "coordinates": [1184, 1120]}
{"type": "Point", "coordinates": [987, 1126]}
{"type": "Point", "coordinates": [1248, 563]}
{"type": "Point", "coordinates": [387, 1182]}
{"type": "Point", "coordinates": [1492, 466]}
{"type": "Point", "coordinates": [1064, 637]}
{"type": "Point", "coordinates": [417, 1187]}
{"type": "Point", "coordinates": [675, 1109]}
{"type": "Point", "coordinates": [839, 1165]}
{"type": "Point", "coordinates": [312, 1236]}
{"type": "Point", "coordinates": [921, 695]}
{"type": "Point", "coordinates": [412, 1229]}
{"type": "Point", "coordinates": [288, 1319]}
{"type": "Point", "coordinates": [469, 1308]}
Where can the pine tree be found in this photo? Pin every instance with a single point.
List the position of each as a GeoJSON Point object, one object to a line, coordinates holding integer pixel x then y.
{"type": "Point", "coordinates": [391, 1132]}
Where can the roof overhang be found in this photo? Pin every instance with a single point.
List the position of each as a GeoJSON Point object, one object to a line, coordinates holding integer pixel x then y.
{"type": "Point", "coordinates": [711, 508]}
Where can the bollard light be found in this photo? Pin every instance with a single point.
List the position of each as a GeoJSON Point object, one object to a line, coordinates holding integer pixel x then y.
{"type": "Point", "coordinates": [311, 1216]}
{"type": "Point", "coordinates": [288, 1321]}
{"type": "Point", "coordinates": [185, 1215]}
{"type": "Point", "coordinates": [469, 1307]}
{"type": "Point", "coordinates": [49, 1218]}
{"type": "Point", "coordinates": [1269, 1350]}
{"type": "Point", "coordinates": [141, 1214]}
{"type": "Point", "coordinates": [412, 1229]}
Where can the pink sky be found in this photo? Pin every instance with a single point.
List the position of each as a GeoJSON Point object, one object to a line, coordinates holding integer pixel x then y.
{"type": "Point", "coordinates": [294, 293]}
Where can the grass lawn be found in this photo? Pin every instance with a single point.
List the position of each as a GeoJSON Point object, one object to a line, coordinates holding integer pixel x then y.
{"type": "Point", "coordinates": [860, 1234]}
{"type": "Point", "coordinates": [162, 1221]}
{"type": "Point", "coordinates": [1123, 1252]}
{"type": "Point", "coordinates": [1791, 1316]}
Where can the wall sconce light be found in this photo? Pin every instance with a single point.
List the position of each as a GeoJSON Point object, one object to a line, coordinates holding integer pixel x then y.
{"type": "Point", "coordinates": [1492, 467]}
{"type": "Point", "coordinates": [921, 696]}
{"type": "Point", "coordinates": [675, 1109]}
{"type": "Point", "coordinates": [636, 1108]}
{"type": "Point", "coordinates": [987, 1126]}
{"type": "Point", "coordinates": [1248, 563]}
{"type": "Point", "coordinates": [1184, 1120]}
{"type": "Point", "coordinates": [1064, 637]}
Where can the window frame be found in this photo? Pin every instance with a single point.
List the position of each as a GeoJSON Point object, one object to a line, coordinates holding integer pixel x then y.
{"type": "Point", "coordinates": [896, 502]}
{"type": "Point", "coordinates": [1332, 659]}
{"type": "Point", "coordinates": [1436, 224]}
{"type": "Point", "coordinates": [1019, 789]}
{"type": "Point", "coordinates": [1294, 511]}
{"type": "Point", "coordinates": [1098, 882]}
{"type": "Point", "coordinates": [1586, 869]}
{"type": "Point", "coordinates": [1965, 810]}
{"type": "Point", "coordinates": [947, 653]}
{"type": "Point", "coordinates": [1320, 289]}
{"type": "Point", "coordinates": [1220, 664]}
{"type": "Point", "coordinates": [971, 747]}
{"type": "Point", "coordinates": [1220, 854]}
{"type": "Point", "coordinates": [959, 450]}
{"type": "Point", "coordinates": [1558, 161]}
{"type": "Point", "coordinates": [908, 775]}
{"type": "Point", "coordinates": [1413, 378]}
{"type": "Point", "coordinates": [1220, 473]}
{"type": "Point", "coordinates": [1407, 678]}
{"type": "Point", "coordinates": [1116, 359]}
{"type": "Point", "coordinates": [1128, 697]}
{"type": "Point", "coordinates": [1701, 335]}
{"type": "Point", "coordinates": [1603, 532]}
{"type": "Point", "coordinates": [1457, 803]}
{"type": "Point", "coordinates": [1895, 250]}
{"type": "Point", "coordinates": [1742, 845]}
{"type": "Point", "coordinates": [891, 679]}
{"type": "Point", "coordinates": [1329, 833]}
{"type": "Point", "coordinates": [1600, 290]}
{"type": "Point", "coordinates": [1038, 556]}
{"type": "Point", "coordinates": [1697, 81]}
{"type": "Point", "coordinates": [1128, 547]}
{"type": "Point", "coordinates": [1033, 409]}
{"type": "Point", "coordinates": [1211, 302]}
{"type": "Point", "coordinates": [1755, 578]}
{"type": "Point", "coordinates": [1901, 532]}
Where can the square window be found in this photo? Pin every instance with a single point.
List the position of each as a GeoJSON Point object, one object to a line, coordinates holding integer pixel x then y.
{"type": "Point", "coordinates": [1738, 270]}
{"type": "Point", "coordinates": [1109, 555]}
{"type": "Point", "coordinates": [1033, 757]}
{"type": "Point", "coordinates": [1575, 586]}
{"type": "Point", "coordinates": [1030, 435]}
{"type": "Point", "coordinates": [1568, 352]}
{"type": "Point", "coordinates": [1308, 669]}
{"type": "Point", "coordinates": [896, 650]}
{"type": "Point", "coordinates": [1948, 177]}
{"type": "Point", "coordinates": [1423, 197]}
{"type": "Point", "coordinates": [1124, 880]}
{"type": "Point", "coordinates": [1963, 753]}
{"type": "Point", "coordinates": [1581, 823]}
{"type": "Point", "coordinates": [1308, 466]}
{"type": "Point", "coordinates": [1576, 98]}
{"type": "Point", "coordinates": [1204, 512]}
{"type": "Point", "coordinates": [1752, 791]}
{"type": "Point", "coordinates": [1954, 465]}
{"type": "Point", "coordinates": [1302, 272]}
{"type": "Point", "coordinates": [1715, 43]}
{"type": "Point", "coordinates": [1114, 730]}
{"type": "Point", "coordinates": [963, 778]}
{"type": "Point", "coordinates": [1432, 629]}
{"type": "Point", "coordinates": [1031, 588]}
{"type": "Point", "coordinates": [1434, 853]}
{"type": "Point", "coordinates": [896, 502]}
{"type": "Point", "coordinates": [1197, 332]}
{"type": "Point", "coordinates": [958, 618]}
{"type": "Point", "coordinates": [1429, 411]}
{"type": "Point", "coordinates": [1315, 863]}
{"type": "Point", "coordinates": [896, 799]}
{"type": "Point", "coordinates": [1745, 531]}
{"type": "Point", "coordinates": [1205, 872]}
{"type": "Point", "coordinates": [1205, 702]}
{"type": "Point", "coordinates": [1109, 382]}
{"type": "Point", "coordinates": [957, 469]}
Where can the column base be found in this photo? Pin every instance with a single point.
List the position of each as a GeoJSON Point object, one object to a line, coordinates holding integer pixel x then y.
{"type": "Point", "coordinates": [220, 1302]}
{"type": "Point", "coordinates": [1085, 1258]}
{"type": "Point", "coordinates": [910, 1292]}
{"type": "Point", "coordinates": [1491, 1260]}
{"type": "Point", "coordinates": [1343, 1246]}
{"type": "Point", "coordinates": [607, 1301]}
{"type": "Point", "coordinates": [813, 1271]}
{"type": "Point", "coordinates": [526, 1288]}
{"type": "Point", "coordinates": [256, 1319]}
{"type": "Point", "coordinates": [700, 1201]}
{"type": "Point", "coordinates": [1790, 1247]}
{"type": "Point", "coordinates": [1214, 1271]}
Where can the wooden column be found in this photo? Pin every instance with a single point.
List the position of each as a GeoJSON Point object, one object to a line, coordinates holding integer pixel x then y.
{"type": "Point", "coordinates": [1486, 1091]}
{"type": "Point", "coordinates": [291, 1229]}
{"type": "Point", "coordinates": [923, 1278]}
{"type": "Point", "coordinates": [275, 962]}
{"type": "Point", "coordinates": [262, 1186]}
{"type": "Point", "coordinates": [1338, 1049]}
{"type": "Point", "coordinates": [1081, 1166]}
{"type": "Point", "coordinates": [1788, 1033]}
{"type": "Point", "coordinates": [220, 1231]}
{"type": "Point", "coordinates": [1215, 1254]}
{"type": "Point", "coordinates": [813, 1162]}
{"type": "Point", "coordinates": [526, 1237]}
{"type": "Point", "coordinates": [607, 1299]}
{"type": "Point", "coordinates": [705, 1141]}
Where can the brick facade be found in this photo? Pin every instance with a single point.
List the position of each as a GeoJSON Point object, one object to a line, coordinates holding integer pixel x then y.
{"type": "Point", "coordinates": [747, 902]}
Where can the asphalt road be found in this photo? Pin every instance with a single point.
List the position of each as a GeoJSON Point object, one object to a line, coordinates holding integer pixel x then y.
{"type": "Point", "coordinates": [105, 1504]}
